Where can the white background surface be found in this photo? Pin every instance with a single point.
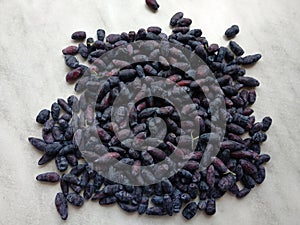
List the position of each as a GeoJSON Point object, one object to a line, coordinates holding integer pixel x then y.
{"type": "Point", "coordinates": [32, 76]}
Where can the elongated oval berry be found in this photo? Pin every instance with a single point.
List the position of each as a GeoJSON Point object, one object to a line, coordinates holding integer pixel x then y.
{"type": "Point", "coordinates": [57, 133]}
{"type": "Point", "coordinates": [260, 176]}
{"type": "Point", "coordinates": [61, 205]}
{"type": "Point", "coordinates": [48, 126]}
{"type": "Point", "coordinates": [248, 181]}
{"type": "Point", "coordinates": [213, 48]}
{"type": "Point", "coordinates": [157, 153]}
{"type": "Point", "coordinates": [249, 59]}
{"type": "Point", "coordinates": [193, 190]}
{"type": "Point", "coordinates": [232, 31]}
{"type": "Point", "coordinates": [47, 136]}
{"type": "Point", "coordinates": [61, 163]}
{"type": "Point", "coordinates": [155, 30]}
{"type": "Point", "coordinates": [252, 96]}
{"type": "Point", "coordinates": [219, 165]}
{"type": "Point", "coordinates": [64, 105]}
{"type": "Point", "coordinates": [70, 50]}
{"type": "Point", "coordinates": [263, 159]}
{"type": "Point", "coordinates": [230, 90]}
{"type": "Point", "coordinates": [100, 34]}
{"type": "Point", "coordinates": [182, 30]}
{"type": "Point", "coordinates": [55, 111]}
{"type": "Point", "coordinates": [234, 128]}
{"type": "Point", "coordinates": [191, 165]}
{"type": "Point", "coordinates": [242, 193]}
{"type": "Point", "coordinates": [152, 4]}
{"type": "Point", "coordinates": [108, 200]}
{"type": "Point", "coordinates": [195, 32]}
{"type": "Point", "coordinates": [210, 176]}
{"type": "Point", "coordinates": [143, 206]}
{"type": "Point", "coordinates": [43, 116]}
{"type": "Point", "coordinates": [234, 189]}
{"type": "Point", "coordinates": [190, 210]}
{"type": "Point", "coordinates": [236, 48]}
{"type": "Point", "coordinates": [71, 61]}
{"type": "Point", "coordinates": [259, 137]}
{"type": "Point", "coordinates": [156, 211]}
{"type": "Point", "coordinates": [184, 22]}
{"type": "Point", "coordinates": [248, 167]}
{"type": "Point", "coordinates": [226, 182]}
{"type": "Point", "coordinates": [231, 145]}
{"type": "Point", "coordinates": [244, 154]}
{"type": "Point", "coordinates": [167, 186]}
{"type": "Point", "coordinates": [45, 159]}
{"type": "Point", "coordinates": [83, 50]}
{"type": "Point", "coordinates": [98, 195]}
{"type": "Point", "coordinates": [177, 16]}
{"type": "Point", "coordinates": [266, 123]}
{"type": "Point", "coordinates": [248, 81]}
{"type": "Point", "coordinates": [75, 199]}
{"type": "Point", "coordinates": [127, 75]}
{"type": "Point", "coordinates": [71, 179]}
{"type": "Point", "coordinates": [241, 120]}
{"type": "Point", "coordinates": [73, 75]}
{"type": "Point", "coordinates": [112, 189]}
{"type": "Point", "coordinates": [51, 177]}
{"type": "Point", "coordinates": [128, 207]}
{"type": "Point", "coordinates": [64, 187]}
{"type": "Point", "coordinates": [210, 207]}
{"type": "Point", "coordinates": [39, 144]}
{"type": "Point", "coordinates": [124, 196]}
{"type": "Point", "coordinates": [78, 35]}
{"type": "Point", "coordinates": [168, 204]}
{"type": "Point", "coordinates": [113, 38]}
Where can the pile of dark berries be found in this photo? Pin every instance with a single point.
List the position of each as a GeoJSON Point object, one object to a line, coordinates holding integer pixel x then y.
{"type": "Point", "coordinates": [236, 169]}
